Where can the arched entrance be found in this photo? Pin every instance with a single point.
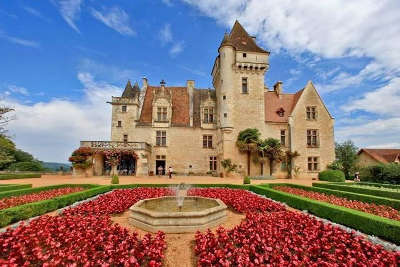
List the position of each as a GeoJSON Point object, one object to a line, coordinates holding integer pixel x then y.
{"type": "Point", "coordinates": [127, 165]}
{"type": "Point", "coordinates": [124, 162]}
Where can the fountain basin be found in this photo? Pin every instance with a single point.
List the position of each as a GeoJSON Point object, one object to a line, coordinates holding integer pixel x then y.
{"type": "Point", "coordinates": [163, 214]}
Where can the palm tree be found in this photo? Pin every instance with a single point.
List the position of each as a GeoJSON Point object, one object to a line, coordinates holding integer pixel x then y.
{"type": "Point", "coordinates": [247, 142]}
{"type": "Point", "coordinates": [271, 148]}
{"type": "Point", "coordinates": [289, 161]}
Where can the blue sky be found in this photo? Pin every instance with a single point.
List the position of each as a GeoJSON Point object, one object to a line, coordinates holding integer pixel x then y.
{"type": "Point", "coordinates": [61, 60]}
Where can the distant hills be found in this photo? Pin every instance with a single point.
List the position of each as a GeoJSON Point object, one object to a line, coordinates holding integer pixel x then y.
{"type": "Point", "coordinates": [55, 166]}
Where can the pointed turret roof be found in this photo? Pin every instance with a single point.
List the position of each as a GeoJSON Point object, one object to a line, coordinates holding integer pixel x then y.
{"type": "Point", "coordinates": [130, 92]}
{"type": "Point", "coordinates": [226, 40]}
{"type": "Point", "coordinates": [241, 40]}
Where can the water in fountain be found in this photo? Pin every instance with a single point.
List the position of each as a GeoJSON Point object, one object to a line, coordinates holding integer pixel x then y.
{"type": "Point", "coordinates": [180, 193]}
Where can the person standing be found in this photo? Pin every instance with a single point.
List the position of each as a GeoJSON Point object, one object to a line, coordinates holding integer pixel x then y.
{"type": "Point", "coordinates": [160, 170]}
{"type": "Point", "coordinates": [170, 170]}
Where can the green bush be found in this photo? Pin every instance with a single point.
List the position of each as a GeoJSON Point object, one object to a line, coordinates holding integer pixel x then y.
{"type": "Point", "coordinates": [115, 179]}
{"type": "Point", "coordinates": [349, 195]}
{"type": "Point", "coordinates": [367, 223]}
{"type": "Point", "coordinates": [10, 176]}
{"type": "Point", "coordinates": [360, 190]}
{"type": "Point", "coordinates": [40, 189]}
{"type": "Point", "coordinates": [10, 187]}
{"type": "Point", "coordinates": [22, 212]}
{"type": "Point", "coordinates": [331, 176]}
{"type": "Point", "coordinates": [246, 180]}
{"type": "Point", "coordinates": [381, 173]}
{"type": "Point", "coordinates": [30, 166]}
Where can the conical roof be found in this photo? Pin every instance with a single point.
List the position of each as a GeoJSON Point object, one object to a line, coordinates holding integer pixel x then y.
{"type": "Point", "coordinates": [242, 41]}
{"type": "Point", "coordinates": [226, 40]}
{"type": "Point", "coordinates": [130, 92]}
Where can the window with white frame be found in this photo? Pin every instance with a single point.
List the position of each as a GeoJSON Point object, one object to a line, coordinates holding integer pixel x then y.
{"type": "Point", "coordinates": [208, 115]}
{"type": "Point", "coordinates": [162, 113]}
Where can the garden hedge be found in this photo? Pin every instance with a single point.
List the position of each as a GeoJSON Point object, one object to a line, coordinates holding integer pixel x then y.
{"type": "Point", "coordinates": [332, 176]}
{"type": "Point", "coordinates": [367, 223]}
{"type": "Point", "coordinates": [10, 176]}
{"type": "Point", "coordinates": [22, 212]}
{"type": "Point", "coordinates": [360, 190]}
{"type": "Point", "coordinates": [9, 187]}
{"type": "Point", "coordinates": [232, 186]}
{"type": "Point", "coordinates": [393, 186]}
{"type": "Point", "coordinates": [349, 195]}
{"type": "Point", "coordinates": [42, 188]}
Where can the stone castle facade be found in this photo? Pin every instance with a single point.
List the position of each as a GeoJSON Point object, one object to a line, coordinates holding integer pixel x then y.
{"type": "Point", "coordinates": [193, 129]}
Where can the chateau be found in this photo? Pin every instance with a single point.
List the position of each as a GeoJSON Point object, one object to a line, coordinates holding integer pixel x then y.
{"type": "Point", "coordinates": [193, 129]}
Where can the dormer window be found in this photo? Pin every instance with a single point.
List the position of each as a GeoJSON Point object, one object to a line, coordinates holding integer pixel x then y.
{"type": "Point", "coordinates": [208, 115]}
{"type": "Point", "coordinates": [162, 113]}
{"type": "Point", "coordinates": [280, 112]}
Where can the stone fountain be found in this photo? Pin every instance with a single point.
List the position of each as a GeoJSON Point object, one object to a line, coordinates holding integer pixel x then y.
{"type": "Point", "coordinates": [177, 214]}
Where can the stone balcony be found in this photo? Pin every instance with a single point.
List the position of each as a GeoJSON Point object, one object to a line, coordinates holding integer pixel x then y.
{"type": "Point", "coordinates": [116, 144]}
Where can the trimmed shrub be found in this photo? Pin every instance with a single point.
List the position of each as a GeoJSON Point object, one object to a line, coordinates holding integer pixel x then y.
{"type": "Point", "coordinates": [30, 166]}
{"type": "Point", "coordinates": [367, 223]}
{"type": "Point", "coordinates": [10, 176]}
{"type": "Point", "coordinates": [115, 179]}
{"type": "Point", "coordinates": [39, 189]}
{"type": "Point", "coordinates": [360, 190]}
{"type": "Point", "coordinates": [381, 173]}
{"type": "Point", "coordinates": [10, 187]}
{"type": "Point", "coordinates": [331, 176]}
{"type": "Point", "coordinates": [246, 180]}
{"type": "Point", "coordinates": [14, 214]}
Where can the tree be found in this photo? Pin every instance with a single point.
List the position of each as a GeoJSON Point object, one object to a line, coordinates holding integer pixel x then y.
{"type": "Point", "coordinates": [289, 156]}
{"type": "Point", "coordinates": [271, 148]}
{"type": "Point", "coordinates": [346, 156]}
{"type": "Point", "coordinates": [7, 150]}
{"type": "Point", "coordinates": [4, 118]}
{"type": "Point", "coordinates": [247, 142]}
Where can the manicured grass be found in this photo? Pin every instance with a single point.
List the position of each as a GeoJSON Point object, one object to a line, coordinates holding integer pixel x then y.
{"type": "Point", "coordinates": [370, 190]}
{"type": "Point", "coordinates": [9, 187]}
{"type": "Point", "coordinates": [10, 176]}
{"type": "Point", "coordinates": [367, 223]}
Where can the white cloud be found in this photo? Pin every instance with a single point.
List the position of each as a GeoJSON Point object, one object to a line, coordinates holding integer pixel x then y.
{"type": "Point", "coordinates": [176, 49]}
{"type": "Point", "coordinates": [107, 72]}
{"type": "Point", "coordinates": [52, 130]}
{"type": "Point", "coordinates": [167, 2]}
{"type": "Point", "coordinates": [19, 41]}
{"type": "Point", "coordinates": [17, 89]}
{"type": "Point", "coordinates": [383, 101]}
{"type": "Point", "coordinates": [166, 34]}
{"type": "Point", "coordinates": [70, 10]}
{"type": "Point", "coordinates": [115, 18]}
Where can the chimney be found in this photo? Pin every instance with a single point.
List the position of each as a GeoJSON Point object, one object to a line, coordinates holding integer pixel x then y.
{"type": "Point", "coordinates": [253, 37]}
{"type": "Point", "coordinates": [278, 88]}
{"type": "Point", "coordinates": [190, 89]}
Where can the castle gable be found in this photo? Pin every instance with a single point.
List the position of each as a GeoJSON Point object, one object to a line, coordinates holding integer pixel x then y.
{"type": "Point", "coordinates": [278, 107]}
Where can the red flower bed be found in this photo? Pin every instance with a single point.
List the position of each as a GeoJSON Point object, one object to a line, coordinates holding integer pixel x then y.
{"type": "Point", "coordinates": [380, 210]}
{"type": "Point", "coordinates": [84, 235]}
{"type": "Point", "coordinates": [240, 200]}
{"type": "Point", "coordinates": [288, 238]}
{"type": "Point", "coordinates": [78, 240]}
{"type": "Point", "coordinates": [9, 202]}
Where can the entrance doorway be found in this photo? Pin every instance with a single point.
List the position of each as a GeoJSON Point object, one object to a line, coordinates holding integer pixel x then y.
{"type": "Point", "coordinates": [162, 164]}
{"type": "Point", "coordinates": [127, 165]}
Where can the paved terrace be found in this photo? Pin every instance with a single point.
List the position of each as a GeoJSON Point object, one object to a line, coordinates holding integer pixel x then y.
{"type": "Point", "coordinates": [105, 180]}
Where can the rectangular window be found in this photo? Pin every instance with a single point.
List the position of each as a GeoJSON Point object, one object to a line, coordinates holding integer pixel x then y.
{"type": "Point", "coordinates": [162, 114]}
{"type": "Point", "coordinates": [207, 141]}
{"type": "Point", "coordinates": [125, 138]}
{"type": "Point", "coordinates": [283, 137]}
{"type": "Point", "coordinates": [313, 163]}
{"type": "Point", "coordinates": [225, 115]}
{"type": "Point", "coordinates": [161, 138]}
{"type": "Point", "coordinates": [119, 124]}
{"type": "Point", "coordinates": [244, 86]}
{"type": "Point", "coordinates": [244, 55]}
{"type": "Point", "coordinates": [208, 115]}
{"type": "Point", "coordinates": [311, 113]}
{"type": "Point", "coordinates": [283, 166]}
{"type": "Point", "coordinates": [123, 108]}
{"type": "Point", "coordinates": [312, 138]}
{"type": "Point", "coordinates": [213, 163]}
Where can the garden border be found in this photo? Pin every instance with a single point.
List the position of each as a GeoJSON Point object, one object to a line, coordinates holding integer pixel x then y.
{"type": "Point", "coordinates": [11, 176]}
{"type": "Point", "coordinates": [365, 222]}
{"type": "Point", "coordinates": [359, 190]}
{"type": "Point", "coordinates": [29, 210]}
{"type": "Point", "coordinates": [11, 187]}
{"type": "Point", "coordinates": [30, 190]}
